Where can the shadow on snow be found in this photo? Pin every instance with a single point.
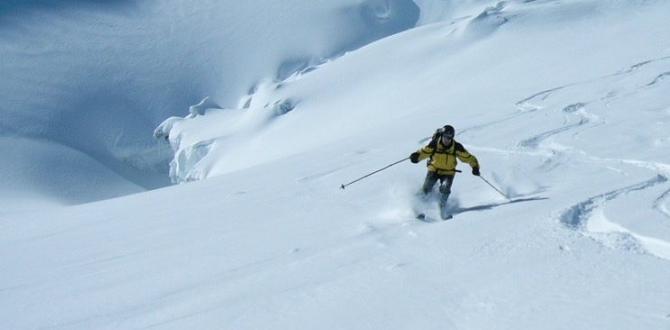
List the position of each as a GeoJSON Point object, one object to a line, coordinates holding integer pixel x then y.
{"type": "Point", "coordinates": [490, 206]}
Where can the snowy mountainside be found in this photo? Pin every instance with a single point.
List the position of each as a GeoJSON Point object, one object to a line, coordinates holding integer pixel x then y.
{"type": "Point", "coordinates": [89, 80]}
{"type": "Point", "coordinates": [565, 105]}
{"type": "Point", "coordinates": [583, 109]}
{"type": "Point", "coordinates": [442, 65]}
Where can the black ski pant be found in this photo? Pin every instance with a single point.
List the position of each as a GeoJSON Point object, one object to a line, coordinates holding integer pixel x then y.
{"type": "Point", "coordinates": [445, 184]}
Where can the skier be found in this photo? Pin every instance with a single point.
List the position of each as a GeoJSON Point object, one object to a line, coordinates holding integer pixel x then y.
{"type": "Point", "coordinates": [441, 153]}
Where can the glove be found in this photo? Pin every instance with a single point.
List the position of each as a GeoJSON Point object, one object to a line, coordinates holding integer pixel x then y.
{"type": "Point", "coordinates": [414, 157]}
{"type": "Point", "coordinates": [475, 171]}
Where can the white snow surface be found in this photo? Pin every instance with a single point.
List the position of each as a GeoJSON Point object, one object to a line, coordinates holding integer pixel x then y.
{"type": "Point", "coordinates": [94, 77]}
{"type": "Point", "coordinates": [565, 104]}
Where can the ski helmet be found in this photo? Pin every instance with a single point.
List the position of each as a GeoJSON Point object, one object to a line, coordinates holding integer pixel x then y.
{"type": "Point", "coordinates": [448, 131]}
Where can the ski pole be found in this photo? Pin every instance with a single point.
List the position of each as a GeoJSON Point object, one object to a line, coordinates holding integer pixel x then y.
{"type": "Point", "coordinates": [367, 175]}
{"type": "Point", "coordinates": [492, 186]}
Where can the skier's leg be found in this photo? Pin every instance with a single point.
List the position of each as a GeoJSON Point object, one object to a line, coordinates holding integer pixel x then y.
{"type": "Point", "coordinates": [429, 182]}
{"type": "Point", "coordinates": [445, 190]}
{"type": "Point", "coordinates": [445, 187]}
{"type": "Point", "coordinates": [426, 189]}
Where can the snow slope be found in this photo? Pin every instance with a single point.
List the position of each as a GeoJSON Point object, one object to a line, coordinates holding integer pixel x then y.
{"type": "Point", "coordinates": [565, 104]}
{"type": "Point", "coordinates": [93, 78]}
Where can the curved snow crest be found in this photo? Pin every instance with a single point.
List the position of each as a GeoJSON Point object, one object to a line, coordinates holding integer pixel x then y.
{"type": "Point", "coordinates": [588, 217]}
{"type": "Point", "coordinates": [197, 144]}
{"type": "Point", "coordinates": [186, 157]}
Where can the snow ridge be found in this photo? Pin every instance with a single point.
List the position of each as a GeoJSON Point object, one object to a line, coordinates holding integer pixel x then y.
{"type": "Point", "coordinates": [95, 76]}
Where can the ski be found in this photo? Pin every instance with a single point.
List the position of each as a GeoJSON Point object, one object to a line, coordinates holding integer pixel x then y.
{"type": "Point", "coordinates": [423, 217]}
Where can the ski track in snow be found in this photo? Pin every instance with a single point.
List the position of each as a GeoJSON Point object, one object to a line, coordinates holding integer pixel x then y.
{"type": "Point", "coordinates": [535, 141]}
{"type": "Point", "coordinates": [658, 78]}
{"type": "Point", "coordinates": [588, 217]}
{"type": "Point", "coordinates": [662, 203]}
{"type": "Point", "coordinates": [528, 105]}
{"type": "Point", "coordinates": [639, 65]}
{"type": "Point", "coordinates": [482, 126]}
{"type": "Point", "coordinates": [576, 216]}
{"type": "Point", "coordinates": [531, 103]}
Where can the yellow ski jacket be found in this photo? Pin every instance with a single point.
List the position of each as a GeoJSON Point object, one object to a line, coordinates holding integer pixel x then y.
{"type": "Point", "coordinates": [442, 159]}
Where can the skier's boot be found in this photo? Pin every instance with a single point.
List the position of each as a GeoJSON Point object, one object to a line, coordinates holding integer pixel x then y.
{"type": "Point", "coordinates": [421, 204]}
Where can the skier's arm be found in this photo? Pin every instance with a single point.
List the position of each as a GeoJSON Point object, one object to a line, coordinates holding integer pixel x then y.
{"type": "Point", "coordinates": [464, 156]}
{"type": "Point", "coordinates": [425, 152]}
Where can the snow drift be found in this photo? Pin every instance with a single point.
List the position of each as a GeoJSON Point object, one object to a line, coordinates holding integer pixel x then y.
{"type": "Point", "coordinates": [95, 77]}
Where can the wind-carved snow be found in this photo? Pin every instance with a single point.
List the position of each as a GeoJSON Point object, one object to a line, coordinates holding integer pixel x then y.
{"type": "Point", "coordinates": [488, 21]}
{"type": "Point", "coordinates": [95, 77]}
{"type": "Point", "coordinates": [192, 141]}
